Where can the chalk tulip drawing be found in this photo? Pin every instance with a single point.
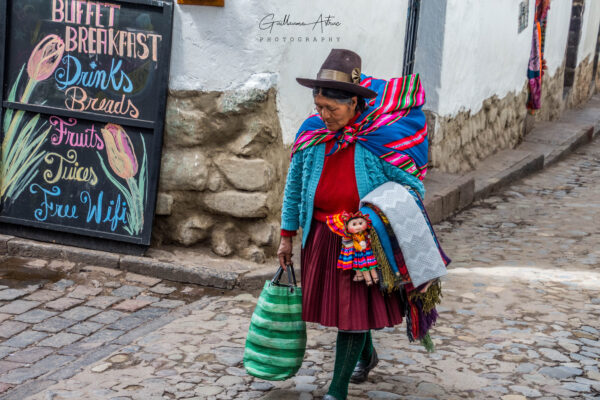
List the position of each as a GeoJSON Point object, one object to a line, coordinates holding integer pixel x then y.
{"type": "Point", "coordinates": [21, 146]}
{"type": "Point", "coordinates": [123, 161]}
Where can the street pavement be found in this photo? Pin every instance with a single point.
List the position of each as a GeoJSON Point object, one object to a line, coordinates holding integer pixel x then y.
{"type": "Point", "coordinates": [520, 317]}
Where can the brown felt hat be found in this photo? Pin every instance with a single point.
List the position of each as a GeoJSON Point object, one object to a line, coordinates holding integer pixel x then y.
{"type": "Point", "coordinates": [341, 70]}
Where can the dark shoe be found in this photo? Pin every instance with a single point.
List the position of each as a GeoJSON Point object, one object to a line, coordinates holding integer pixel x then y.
{"type": "Point", "coordinates": [361, 372]}
{"type": "Point", "coordinates": [329, 397]}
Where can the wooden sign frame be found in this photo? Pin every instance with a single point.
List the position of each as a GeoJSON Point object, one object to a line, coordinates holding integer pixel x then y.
{"type": "Point", "coordinates": [149, 129]}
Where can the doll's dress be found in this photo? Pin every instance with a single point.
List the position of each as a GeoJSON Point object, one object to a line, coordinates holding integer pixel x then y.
{"type": "Point", "coordinates": [363, 260]}
{"type": "Point", "coordinates": [352, 256]}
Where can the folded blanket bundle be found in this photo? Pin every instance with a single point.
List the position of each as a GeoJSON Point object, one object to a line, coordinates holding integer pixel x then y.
{"type": "Point", "coordinates": [408, 254]}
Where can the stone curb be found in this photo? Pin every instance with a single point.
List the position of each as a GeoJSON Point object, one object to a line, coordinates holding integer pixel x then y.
{"type": "Point", "coordinates": [200, 275]}
{"type": "Point", "coordinates": [454, 194]}
{"type": "Point", "coordinates": [554, 153]}
{"type": "Point", "coordinates": [485, 185]}
{"type": "Point", "coordinates": [447, 195]}
{"type": "Point", "coordinates": [18, 247]}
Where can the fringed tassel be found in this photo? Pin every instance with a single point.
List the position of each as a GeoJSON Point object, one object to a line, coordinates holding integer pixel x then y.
{"type": "Point", "coordinates": [430, 298]}
{"type": "Point", "coordinates": [387, 278]}
{"type": "Point", "coordinates": [405, 310]}
{"type": "Point", "coordinates": [409, 324]}
{"type": "Point", "coordinates": [413, 315]}
{"type": "Point", "coordinates": [380, 276]}
{"type": "Point", "coordinates": [428, 343]}
{"type": "Point", "coordinates": [426, 320]}
{"type": "Point", "coordinates": [430, 318]}
{"type": "Point", "coordinates": [403, 302]}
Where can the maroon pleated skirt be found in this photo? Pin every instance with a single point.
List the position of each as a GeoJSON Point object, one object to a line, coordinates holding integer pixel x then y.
{"type": "Point", "coordinates": [329, 295]}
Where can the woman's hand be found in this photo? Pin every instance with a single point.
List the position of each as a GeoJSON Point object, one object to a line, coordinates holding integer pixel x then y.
{"type": "Point", "coordinates": [284, 253]}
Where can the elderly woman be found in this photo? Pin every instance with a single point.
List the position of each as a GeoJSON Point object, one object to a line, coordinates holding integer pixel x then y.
{"type": "Point", "coordinates": [366, 132]}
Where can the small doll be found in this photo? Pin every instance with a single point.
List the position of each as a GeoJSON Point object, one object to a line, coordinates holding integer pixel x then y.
{"type": "Point", "coordinates": [356, 251]}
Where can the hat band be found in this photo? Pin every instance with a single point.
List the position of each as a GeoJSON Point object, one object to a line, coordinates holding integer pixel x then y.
{"type": "Point", "coordinates": [334, 75]}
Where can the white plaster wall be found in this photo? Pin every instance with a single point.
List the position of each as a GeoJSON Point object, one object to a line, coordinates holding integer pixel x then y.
{"type": "Point", "coordinates": [589, 30]}
{"type": "Point", "coordinates": [484, 55]}
{"type": "Point", "coordinates": [430, 49]}
{"type": "Point", "coordinates": [217, 49]}
{"type": "Point", "coordinates": [557, 34]}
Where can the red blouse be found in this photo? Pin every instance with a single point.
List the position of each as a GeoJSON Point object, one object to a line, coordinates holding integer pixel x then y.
{"type": "Point", "coordinates": [337, 189]}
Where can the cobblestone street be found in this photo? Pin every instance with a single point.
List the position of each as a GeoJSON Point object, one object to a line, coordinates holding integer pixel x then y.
{"type": "Point", "coordinates": [520, 317]}
{"type": "Point", "coordinates": [58, 317]}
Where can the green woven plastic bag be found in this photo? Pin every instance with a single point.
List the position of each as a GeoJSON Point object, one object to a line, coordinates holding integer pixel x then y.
{"type": "Point", "coordinates": [276, 339]}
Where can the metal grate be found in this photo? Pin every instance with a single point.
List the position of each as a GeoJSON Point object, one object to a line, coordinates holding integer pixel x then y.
{"type": "Point", "coordinates": [410, 40]}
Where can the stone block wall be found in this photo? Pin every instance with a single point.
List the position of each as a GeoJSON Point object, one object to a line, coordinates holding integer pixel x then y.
{"type": "Point", "coordinates": [222, 173]}
{"type": "Point", "coordinates": [459, 142]}
{"type": "Point", "coordinates": [553, 103]}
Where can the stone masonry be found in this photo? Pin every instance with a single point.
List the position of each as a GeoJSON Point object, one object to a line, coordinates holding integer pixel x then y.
{"type": "Point", "coordinates": [459, 142]}
{"type": "Point", "coordinates": [552, 96]}
{"type": "Point", "coordinates": [222, 172]}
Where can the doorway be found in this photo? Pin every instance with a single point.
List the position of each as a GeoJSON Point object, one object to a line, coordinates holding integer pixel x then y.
{"type": "Point", "coordinates": [573, 45]}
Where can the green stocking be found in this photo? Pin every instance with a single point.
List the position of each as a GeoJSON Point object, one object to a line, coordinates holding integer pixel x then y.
{"type": "Point", "coordinates": [347, 352]}
{"type": "Point", "coordinates": [367, 350]}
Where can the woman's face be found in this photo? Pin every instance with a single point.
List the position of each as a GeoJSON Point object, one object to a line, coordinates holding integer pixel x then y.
{"type": "Point", "coordinates": [335, 115]}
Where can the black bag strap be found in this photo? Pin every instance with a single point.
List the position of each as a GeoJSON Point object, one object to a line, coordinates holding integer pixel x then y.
{"type": "Point", "coordinates": [291, 277]}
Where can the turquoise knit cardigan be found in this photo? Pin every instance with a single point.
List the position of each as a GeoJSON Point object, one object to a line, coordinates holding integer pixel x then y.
{"type": "Point", "coordinates": [304, 174]}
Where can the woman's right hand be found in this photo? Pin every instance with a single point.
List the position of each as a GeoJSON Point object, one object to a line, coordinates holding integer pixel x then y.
{"type": "Point", "coordinates": [284, 253]}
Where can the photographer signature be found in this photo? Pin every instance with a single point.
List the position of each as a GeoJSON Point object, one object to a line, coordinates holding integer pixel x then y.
{"type": "Point", "coordinates": [269, 21]}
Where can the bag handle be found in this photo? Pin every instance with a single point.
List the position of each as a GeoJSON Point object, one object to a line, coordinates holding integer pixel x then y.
{"type": "Point", "coordinates": [291, 277]}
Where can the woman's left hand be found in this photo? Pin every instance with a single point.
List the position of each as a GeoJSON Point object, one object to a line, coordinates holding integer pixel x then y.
{"type": "Point", "coordinates": [284, 253]}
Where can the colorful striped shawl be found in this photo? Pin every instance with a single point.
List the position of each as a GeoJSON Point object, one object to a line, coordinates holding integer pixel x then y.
{"type": "Point", "coordinates": [393, 127]}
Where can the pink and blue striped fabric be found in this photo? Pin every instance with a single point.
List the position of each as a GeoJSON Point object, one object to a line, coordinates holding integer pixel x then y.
{"type": "Point", "coordinates": [393, 127]}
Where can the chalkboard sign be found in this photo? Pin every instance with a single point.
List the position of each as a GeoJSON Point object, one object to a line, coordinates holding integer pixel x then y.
{"type": "Point", "coordinates": [83, 103]}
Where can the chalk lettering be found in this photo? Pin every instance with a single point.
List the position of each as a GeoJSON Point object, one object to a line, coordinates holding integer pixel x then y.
{"type": "Point", "coordinates": [96, 211]}
{"type": "Point", "coordinates": [82, 11]}
{"type": "Point", "coordinates": [88, 40]}
{"type": "Point", "coordinates": [67, 168]}
{"type": "Point", "coordinates": [90, 138]}
{"type": "Point", "coordinates": [73, 74]}
{"type": "Point", "coordinates": [77, 99]}
{"type": "Point", "coordinates": [48, 208]}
